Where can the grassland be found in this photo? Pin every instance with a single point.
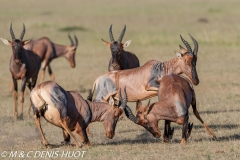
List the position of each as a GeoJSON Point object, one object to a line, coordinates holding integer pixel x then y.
{"type": "Point", "coordinates": [154, 27]}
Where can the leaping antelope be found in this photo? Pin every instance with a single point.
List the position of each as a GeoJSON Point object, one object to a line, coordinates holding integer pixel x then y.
{"type": "Point", "coordinates": [120, 59]}
{"type": "Point", "coordinates": [24, 65]}
{"type": "Point", "coordinates": [176, 94]}
{"type": "Point", "coordinates": [143, 82]}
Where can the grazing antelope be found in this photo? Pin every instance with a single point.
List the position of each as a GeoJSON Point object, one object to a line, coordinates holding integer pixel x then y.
{"type": "Point", "coordinates": [120, 59]}
{"type": "Point", "coordinates": [48, 51]}
{"type": "Point", "coordinates": [176, 94]}
{"type": "Point", "coordinates": [69, 111]}
{"type": "Point", "coordinates": [143, 82]}
{"type": "Point", "coordinates": [24, 65]}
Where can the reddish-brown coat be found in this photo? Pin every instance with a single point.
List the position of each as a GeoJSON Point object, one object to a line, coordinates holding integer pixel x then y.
{"type": "Point", "coordinates": [176, 94]}
{"type": "Point", "coordinates": [80, 113]}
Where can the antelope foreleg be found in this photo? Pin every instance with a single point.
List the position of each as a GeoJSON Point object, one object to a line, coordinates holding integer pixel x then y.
{"type": "Point", "coordinates": [11, 89]}
{"type": "Point", "coordinates": [66, 137]}
{"type": "Point", "coordinates": [83, 135]}
{"type": "Point", "coordinates": [15, 97]}
{"type": "Point", "coordinates": [51, 73]}
{"type": "Point", "coordinates": [22, 95]}
{"type": "Point", "coordinates": [64, 125]}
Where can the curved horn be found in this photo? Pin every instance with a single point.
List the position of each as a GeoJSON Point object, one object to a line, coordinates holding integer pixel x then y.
{"type": "Point", "coordinates": [120, 99]}
{"type": "Point", "coordinates": [189, 49]}
{"type": "Point", "coordinates": [76, 40]}
{"type": "Point", "coordinates": [130, 115]}
{"type": "Point", "coordinates": [110, 34]}
{"type": "Point", "coordinates": [71, 40]}
{"type": "Point", "coordinates": [11, 32]}
{"type": "Point", "coordinates": [195, 45]}
{"type": "Point", "coordinates": [124, 101]}
{"type": "Point", "coordinates": [122, 34]}
{"type": "Point", "coordinates": [23, 32]}
{"type": "Point", "coordinates": [124, 104]}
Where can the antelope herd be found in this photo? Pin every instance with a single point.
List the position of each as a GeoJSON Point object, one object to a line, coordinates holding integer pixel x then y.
{"type": "Point", "coordinates": [126, 78]}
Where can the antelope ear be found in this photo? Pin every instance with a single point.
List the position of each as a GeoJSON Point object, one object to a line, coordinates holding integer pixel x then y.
{"type": "Point", "coordinates": [126, 44]}
{"type": "Point", "coordinates": [74, 48]}
{"type": "Point", "coordinates": [7, 42]}
{"type": "Point", "coordinates": [111, 101]}
{"type": "Point", "coordinates": [183, 50]}
{"type": "Point", "coordinates": [104, 99]}
{"type": "Point", "coordinates": [106, 42]}
{"type": "Point", "coordinates": [178, 54]}
{"type": "Point", "coordinates": [139, 105]}
{"type": "Point", "coordinates": [26, 41]}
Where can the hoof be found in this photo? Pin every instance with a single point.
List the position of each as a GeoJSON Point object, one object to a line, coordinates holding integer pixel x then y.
{"type": "Point", "coordinates": [183, 142]}
{"type": "Point", "coordinates": [65, 143]}
{"type": "Point", "coordinates": [89, 98]}
{"type": "Point", "coordinates": [214, 138]}
{"type": "Point", "coordinates": [21, 117]}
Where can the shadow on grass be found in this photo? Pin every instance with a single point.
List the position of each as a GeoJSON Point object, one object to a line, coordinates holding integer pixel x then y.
{"type": "Point", "coordinates": [220, 139]}
{"type": "Point", "coordinates": [219, 111]}
{"type": "Point", "coordinates": [217, 126]}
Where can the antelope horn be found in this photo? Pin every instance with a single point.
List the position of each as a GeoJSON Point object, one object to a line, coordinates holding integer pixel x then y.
{"type": "Point", "coordinates": [120, 99]}
{"type": "Point", "coordinates": [76, 40]}
{"type": "Point", "coordinates": [195, 45]}
{"type": "Point", "coordinates": [71, 40]}
{"type": "Point", "coordinates": [130, 115]}
{"type": "Point", "coordinates": [189, 49]}
{"type": "Point", "coordinates": [124, 101]}
{"type": "Point", "coordinates": [122, 34]}
{"type": "Point", "coordinates": [23, 32]}
{"type": "Point", "coordinates": [125, 98]}
{"type": "Point", "coordinates": [110, 34]}
{"type": "Point", "coordinates": [11, 32]}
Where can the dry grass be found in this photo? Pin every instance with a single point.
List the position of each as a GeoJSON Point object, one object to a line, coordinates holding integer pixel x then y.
{"type": "Point", "coordinates": [154, 28]}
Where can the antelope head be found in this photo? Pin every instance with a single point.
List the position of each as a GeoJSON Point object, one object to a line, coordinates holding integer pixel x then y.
{"type": "Point", "coordinates": [71, 50]}
{"type": "Point", "coordinates": [141, 118]}
{"type": "Point", "coordinates": [188, 60]}
{"type": "Point", "coordinates": [16, 44]}
{"type": "Point", "coordinates": [116, 48]}
{"type": "Point", "coordinates": [113, 114]}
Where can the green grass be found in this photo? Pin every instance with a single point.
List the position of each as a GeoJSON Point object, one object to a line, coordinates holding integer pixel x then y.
{"type": "Point", "coordinates": [154, 28]}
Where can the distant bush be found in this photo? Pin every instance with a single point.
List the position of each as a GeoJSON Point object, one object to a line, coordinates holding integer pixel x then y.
{"type": "Point", "coordinates": [72, 28]}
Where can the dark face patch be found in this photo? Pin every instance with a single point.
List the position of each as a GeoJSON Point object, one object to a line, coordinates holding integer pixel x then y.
{"type": "Point", "coordinates": [115, 47]}
{"type": "Point", "coordinates": [59, 100]}
{"type": "Point", "coordinates": [116, 51]}
{"type": "Point", "coordinates": [156, 72]}
{"type": "Point", "coordinates": [17, 49]}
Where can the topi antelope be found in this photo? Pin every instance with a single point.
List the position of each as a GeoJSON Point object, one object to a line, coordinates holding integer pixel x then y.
{"type": "Point", "coordinates": [24, 65]}
{"type": "Point", "coordinates": [48, 51]}
{"type": "Point", "coordinates": [176, 94]}
{"type": "Point", "coordinates": [69, 111]}
{"type": "Point", "coordinates": [120, 59]}
{"type": "Point", "coordinates": [143, 82]}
